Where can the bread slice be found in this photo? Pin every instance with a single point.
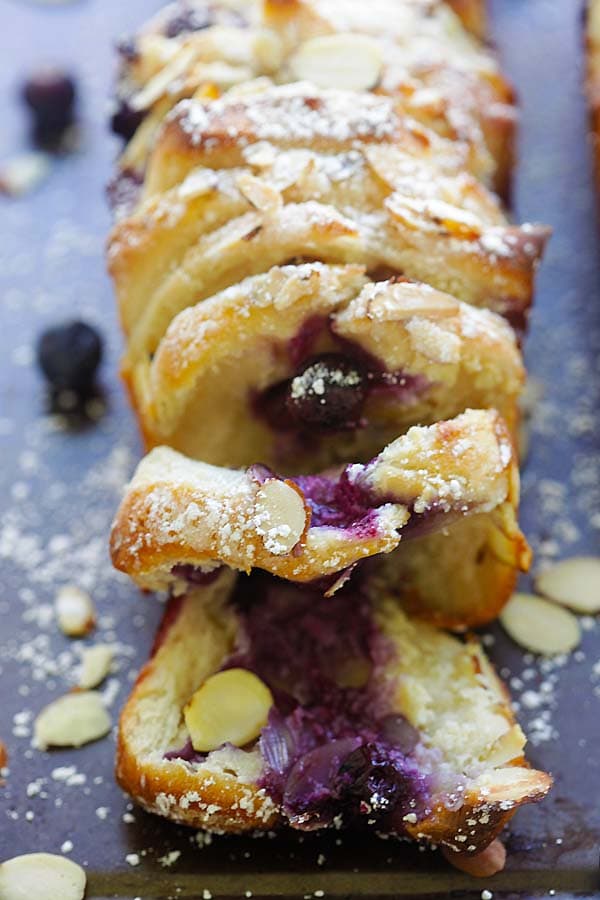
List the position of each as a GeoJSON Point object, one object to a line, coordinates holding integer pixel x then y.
{"type": "Point", "coordinates": [235, 377]}
{"type": "Point", "coordinates": [395, 724]}
{"type": "Point", "coordinates": [181, 518]}
{"type": "Point", "coordinates": [421, 54]}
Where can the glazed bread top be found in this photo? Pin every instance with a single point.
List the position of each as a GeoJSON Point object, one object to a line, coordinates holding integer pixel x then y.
{"type": "Point", "coordinates": [419, 53]}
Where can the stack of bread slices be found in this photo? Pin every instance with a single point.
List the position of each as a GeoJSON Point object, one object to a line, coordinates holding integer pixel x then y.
{"type": "Point", "coordinates": [323, 301]}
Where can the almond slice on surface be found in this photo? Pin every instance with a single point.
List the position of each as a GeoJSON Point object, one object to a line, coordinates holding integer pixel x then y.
{"type": "Point", "coordinates": [74, 611]}
{"type": "Point", "coordinates": [280, 516]}
{"type": "Point", "coordinates": [95, 665]}
{"type": "Point", "coordinates": [539, 625]}
{"type": "Point", "coordinates": [352, 62]}
{"type": "Point", "coordinates": [230, 707]}
{"type": "Point", "coordinates": [72, 720]}
{"type": "Point", "coordinates": [480, 865]}
{"type": "Point", "coordinates": [574, 583]}
{"type": "Point", "coordinates": [42, 876]}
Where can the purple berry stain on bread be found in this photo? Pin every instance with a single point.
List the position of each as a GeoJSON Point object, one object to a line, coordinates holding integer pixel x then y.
{"type": "Point", "coordinates": [331, 746]}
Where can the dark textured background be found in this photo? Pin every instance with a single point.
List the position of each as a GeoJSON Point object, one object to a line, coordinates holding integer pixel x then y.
{"type": "Point", "coordinates": [60, 482]}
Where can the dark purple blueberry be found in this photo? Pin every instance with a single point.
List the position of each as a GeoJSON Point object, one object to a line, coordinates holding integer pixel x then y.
{"type": "Point", "coordinates": [126, 120]}
{"type": "Point", "coordinates": [328, 393]}
{"type": "Point", "coordinates": [69, 355]}
{"type": "Point", "coordinates": [50, 95]}
{"type": "Point", "coordinates": [368, 781]}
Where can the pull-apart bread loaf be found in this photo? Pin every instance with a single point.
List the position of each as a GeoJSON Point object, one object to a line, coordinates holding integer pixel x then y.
{"type": "Point", "coordinates": [317, 287]}
{"type": "Point", "coordinates": [180, 519]}
{"type": "Point", "coordinates": [418, 52]}
{"type": "Point", "coordinates": [266, 703]}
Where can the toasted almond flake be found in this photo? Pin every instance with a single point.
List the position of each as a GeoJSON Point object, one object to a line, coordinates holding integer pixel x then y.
{"type": "Point", "coordinates": [509, 746]}
{"type": "Point", "coordinates": [352, 62]}
{"type": "Point", "coordinates": [3, 755]}
{"type": "Point", "coordinates": [230, 707]}
{"type": "Point", "coordinates": [75, 611]}
{"type": "Point", "coordinates": [95, 665]}
{"type": "Point", "coordinates": [260, 194]}
{"type": "Point", "coordinates": [23, 173]}
{"type": "Point", "coordinates": [72, 720]}
{"type": "Point", "coordinates": [540, 626]}
{"type": "Point", "coordinates": [574, 583]}
{"type": "Point", "coordinates": [43, 876]}
{"type": "Point", "coordinates": [480, 865]}
{"type": "Point", "coordinates": [158, 86]}
{"type": "Point", "coordinates": [280, 516]}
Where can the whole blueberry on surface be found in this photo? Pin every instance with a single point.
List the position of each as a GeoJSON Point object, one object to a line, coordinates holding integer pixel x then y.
{"type": "Point", "coordinates": [50, 95]}
{"type": "Point", "coordinates": [69, 355]}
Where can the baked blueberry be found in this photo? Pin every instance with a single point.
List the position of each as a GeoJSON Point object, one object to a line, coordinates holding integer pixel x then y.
{"type": "Point", "coordinates": [126, 120]}
{"type": "Point", "coordinates": [50, 95]}
{"type": "Point", "coordinates": [69, 355]}
{"type": "Point", "coordinates": [328, 393]}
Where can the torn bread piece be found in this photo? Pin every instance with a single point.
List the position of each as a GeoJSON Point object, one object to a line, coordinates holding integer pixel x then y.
{"type": "Point", "coordinates": [399, 725]}
{"type": "Point", "coordinates": [309, 366]}
{"type": "Point", "coordinates": [421, 54]}
{"type": "Point", "coordinates": [242, 184]}
{"type": "Point", "coordinates": [181, 519]}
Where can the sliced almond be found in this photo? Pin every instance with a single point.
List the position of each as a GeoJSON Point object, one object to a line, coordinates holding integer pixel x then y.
{"type": "Point", "coordinates": [353, 62]}
{"type": "Point", "coordinates": [158, 86]}
{"type": "Point", "coordinates": [480, 865]}
{"type": "Point", "coordinates": [72, 720]}
{"type": "Point", "coordinates": [3, 755]}
{"type": "Point", "coordinates": [75, 611]}
{"type": "Point", "coordinates": [509, 746]}
{"type": "Point", "coordinates": [574, 583]}
{"type": "Point", "coordinates": [261, 195]}
{"type": "Point", "coordinates": [280, 516]}
{"type": "Point", "coordinates": [23, 173]}
{"type": "Point", "coordinates": [95, 665]}
{"type": "Point", "coordinates": [540, 626]}
{"type": "Point", "coordinates": [43, 876]}
{"type": "Point", "coordinates": [231, 707]}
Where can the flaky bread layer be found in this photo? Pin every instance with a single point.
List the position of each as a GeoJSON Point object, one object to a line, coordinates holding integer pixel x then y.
{"type": "Point", "coordinates": [445, 688]}
{"type": "Point", "coordinates": [234, 347]}
{"type": "Point", "coordinates": [239, 185]}
{"type": "Point", "coordinates": [183, 513]}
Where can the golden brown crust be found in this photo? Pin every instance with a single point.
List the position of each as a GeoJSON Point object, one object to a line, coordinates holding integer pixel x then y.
{"type": "Point", "coordinates": [198, 633]}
